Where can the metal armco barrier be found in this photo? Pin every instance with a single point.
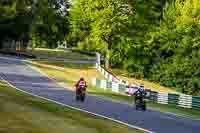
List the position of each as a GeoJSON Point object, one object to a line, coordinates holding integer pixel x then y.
{"type": "Point", "coordinates": [154, 96]}
{"type": "Point", "coordinates": [109, 76]}
{"type": "Point", "coordinates": [162, 98]}
{"type": "Point", "coordinates": [195, 102]}
{"type": "Point", "coordinates": [185, 101]}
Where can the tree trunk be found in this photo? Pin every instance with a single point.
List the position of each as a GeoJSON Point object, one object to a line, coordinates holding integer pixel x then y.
{"type": "Point", "coordinates": [108, 39]}
{"type": "Point", "coordinates": [107, 58]}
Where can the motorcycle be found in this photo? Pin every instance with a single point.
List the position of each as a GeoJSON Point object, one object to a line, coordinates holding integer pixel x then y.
{"type": "Point", "coordinates": [140, 102]}
{"type": "Point", "coordinates": [80, 94]}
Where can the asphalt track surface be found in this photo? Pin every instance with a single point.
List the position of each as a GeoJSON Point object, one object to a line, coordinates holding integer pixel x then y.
{"type": "Point", "coordinates": [25, 78]}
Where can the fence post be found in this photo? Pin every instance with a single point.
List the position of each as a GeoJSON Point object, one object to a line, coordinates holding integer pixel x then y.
{"type": "Point", "coordinates": [109, 84]}
{"type": "Point", "coordinates": [122, 88]}
{"type": "Point", "coordinates": [154, 96]}
{"type": "Point", "coordinates": [173, 99]}
{"type": "Point", "coordinates": [106, 75]}
{"type": "Point", "coordinates": [110, 77]}
{"type": "Point", "coordinates": [97, 66]}
{"type": "Point", "coordinates": [98, 83]}
{"type": "Point", "coordinates": [98, 58]}
{"type": "Point", "coordinates": [94, 81]}
{"type": "Point", "coordinates": [115, 87]}
{"type": "Point", "coordinates": [102, 84]}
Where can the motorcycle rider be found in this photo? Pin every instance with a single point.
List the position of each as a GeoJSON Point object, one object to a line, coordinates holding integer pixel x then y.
{"type": "Point", "coordinates": [81, 86]}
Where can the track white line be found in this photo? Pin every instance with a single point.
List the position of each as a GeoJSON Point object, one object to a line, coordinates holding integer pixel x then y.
{"type": "Point", "coordinates": [1, 78]}
{"type": "Point", "coordinates": [9, 58]}
{"type": "Point", "coordinates": [82, 110]}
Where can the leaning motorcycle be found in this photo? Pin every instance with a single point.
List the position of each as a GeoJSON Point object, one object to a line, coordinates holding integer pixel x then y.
{"type": "Point", "coordinates": [140, 102]}
{"type": "Point", "coordinates": [80, 94]}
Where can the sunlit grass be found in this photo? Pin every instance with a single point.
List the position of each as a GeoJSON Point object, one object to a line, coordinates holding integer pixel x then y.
{"type": "Point", "coordinates": [151, 85]}
{"type": "Point", "coordinates": [58, 53]}
{"type": "Point", "coordinates": [67, 73]}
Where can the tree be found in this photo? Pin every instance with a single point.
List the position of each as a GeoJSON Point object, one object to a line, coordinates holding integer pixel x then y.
{"type": "Point", "coordinates": [51, 23]}
{"type": "Point", "coordinates": [153, 39]}
{"type": "Point", "coordinates": [16, 17]}
{"type": "Point", "coordinates": [7, 16]}
{"type": "Point", "coordinates": [99, 22]}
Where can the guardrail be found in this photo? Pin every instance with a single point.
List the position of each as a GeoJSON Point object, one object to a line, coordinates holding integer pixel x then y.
{"type": "Point", "coordinates": [184, 101]}
{"type": "Point", "coordinates": [109, 76]}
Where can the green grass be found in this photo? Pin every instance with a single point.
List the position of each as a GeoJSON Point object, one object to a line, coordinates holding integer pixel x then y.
{"type": "Point", "coordinates": [58, 53]}
{"type": "Point", "coordinates": [179, 111]}
{"type": "Point", "coordinates": [65, 64]}
{"type": "Point", "coordinates": [21, 113]}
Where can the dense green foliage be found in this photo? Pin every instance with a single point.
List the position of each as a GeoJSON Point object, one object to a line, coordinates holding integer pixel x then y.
{"type": "Point", "coordinates": [43, 21]}
{"type": "Point", "coordinates": [50, 24]}
{"type": "Point", "coordinates": [7, 15]}
{"type": "Point", "coordinates": [153, 39]}
{"type": "Point", "coordinates": [15, 19]}
{"type": "Point", "coordinates": [179, 35]}
{"type": "Point", "coordinates": [158, 42]}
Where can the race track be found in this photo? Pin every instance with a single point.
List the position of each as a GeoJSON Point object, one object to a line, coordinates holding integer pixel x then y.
{"type": "Point", "coordinates": [25, 78]}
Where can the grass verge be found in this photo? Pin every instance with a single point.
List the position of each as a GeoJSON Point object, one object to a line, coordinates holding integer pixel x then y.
{"type": "Point", "coordinates": [152, 85]}
{"type": "Point", "coordinates": [38, 52]}
{"type": "Point", "coordinates": [21, 113]}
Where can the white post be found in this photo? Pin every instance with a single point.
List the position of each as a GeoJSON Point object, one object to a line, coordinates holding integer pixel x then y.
{"type": "Point", "coordinates": [94, 82]}
{"type": "Point", "coordinates": [115, 87]}
{"type": "Point", "coordinates": [98, 58]}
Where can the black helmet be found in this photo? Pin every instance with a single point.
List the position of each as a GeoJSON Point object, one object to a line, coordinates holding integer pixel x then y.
{"type": "Point", "coordinates": [81, 78]}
